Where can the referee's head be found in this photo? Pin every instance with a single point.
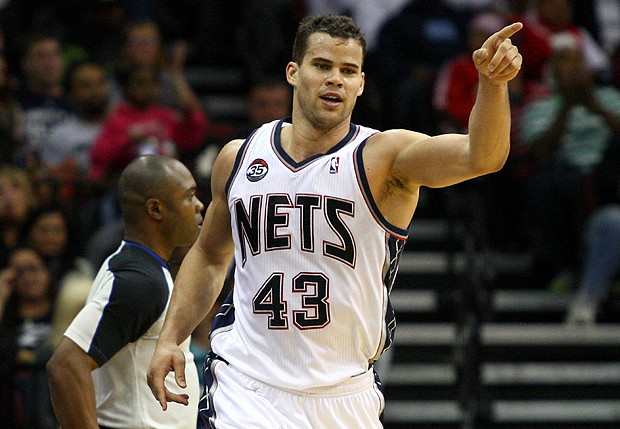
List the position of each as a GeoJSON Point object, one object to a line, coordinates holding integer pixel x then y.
{"type": "Point", "coordinates": [157, 196]}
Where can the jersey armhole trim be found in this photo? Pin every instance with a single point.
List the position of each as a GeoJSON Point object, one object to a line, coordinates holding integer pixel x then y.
{"type": "Point", "coordinates": [360, 173]}
{"type": "Point", "coordinates": [238, 159]}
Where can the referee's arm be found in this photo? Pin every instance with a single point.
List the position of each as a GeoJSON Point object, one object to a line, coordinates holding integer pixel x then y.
{"type": "Point", "coordinates": [71, 386]}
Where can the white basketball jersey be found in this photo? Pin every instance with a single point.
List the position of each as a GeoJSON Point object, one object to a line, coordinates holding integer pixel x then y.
{"type": "Point", "coordinates": [315, 261]}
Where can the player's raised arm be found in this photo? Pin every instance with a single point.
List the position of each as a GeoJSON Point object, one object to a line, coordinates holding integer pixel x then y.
{"type": "Point", "coordinates": [447, 159]}
{"type": "Point", "coordinates": [498, 61]}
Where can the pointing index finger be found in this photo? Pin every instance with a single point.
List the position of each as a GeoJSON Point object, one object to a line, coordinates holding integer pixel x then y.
{"type": "Point", "coordinates": [508, 30]}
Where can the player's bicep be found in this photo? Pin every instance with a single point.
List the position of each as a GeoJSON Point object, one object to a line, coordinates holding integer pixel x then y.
{"type": "Point", "coordinates": [434, 161]}
{"type": "Point", "coordinates": [215, 236]}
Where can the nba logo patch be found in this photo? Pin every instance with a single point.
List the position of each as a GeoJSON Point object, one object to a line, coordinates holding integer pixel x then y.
{"type": "Point", "coordinates": [334, 163]}
{"type": "Point", "coordinates": [257, 170]}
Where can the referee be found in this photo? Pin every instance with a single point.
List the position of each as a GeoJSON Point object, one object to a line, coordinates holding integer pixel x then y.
{"type": "Point", "coordinates": [97, 374]}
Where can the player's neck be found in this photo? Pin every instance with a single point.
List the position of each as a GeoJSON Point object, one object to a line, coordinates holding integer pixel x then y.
{"type": "Point", "coordinates": [302, 140]}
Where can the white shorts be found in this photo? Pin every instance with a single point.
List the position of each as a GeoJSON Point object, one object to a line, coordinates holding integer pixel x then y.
{"type": "Point", "coordinates": [236, 401]}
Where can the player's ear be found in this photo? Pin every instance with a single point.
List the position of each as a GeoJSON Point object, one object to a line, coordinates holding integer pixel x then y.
{"type": "Point", "coordinates": [154, 208]}
{"type": "Point", "coordinates": [291, 73]}
{"type": "Point", "coordinates": [361, 90]}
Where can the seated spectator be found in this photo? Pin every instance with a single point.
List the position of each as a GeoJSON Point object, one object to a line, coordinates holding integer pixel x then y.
{"type": "Point", "coordinates": [566, 134]}
{"type": "Point", "coordinates": [66, 153]}
{"type": "Point", "coordinates": [261, 32]}
{"type": "Point", "coordinates": [267, 100]}
{"type": "Point", "coordinates": [41, 94]}
{"type": "Point", "coordinates": [27, 294]}
{"type": "Point", "coordinates": [456, 85]}
{"type": "Point", "coordinates": [453, 99]}
{"type": "Point", "coordinates": [139, 126]}
{"type": "Point", "coordinates": [16, 201]}
{"type": "Point", "coordinates": [51, 231]}
{"type": "Point", "coordinates": [601, 265]}
{"type": "Point", "coordinates": [411, 47]}
{"type": "Point", "coordinates": [143, 47]}
{"type": "Point", "coordinates": [533, 42]}
{"type": "Point", "coordinates": [552, 20]}
{"type": "Point", "coordinates": [601, 261]}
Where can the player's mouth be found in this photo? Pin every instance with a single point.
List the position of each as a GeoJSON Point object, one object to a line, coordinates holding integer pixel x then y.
{"type": "Point", "coordinates": [331, 99]}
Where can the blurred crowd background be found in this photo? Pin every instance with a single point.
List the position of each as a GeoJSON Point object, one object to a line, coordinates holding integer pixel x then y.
{"type": "Point", "coordinates": [88, 85]}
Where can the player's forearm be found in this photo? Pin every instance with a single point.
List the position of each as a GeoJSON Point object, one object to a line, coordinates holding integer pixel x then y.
{"type": "Point", "coordinates": [73, 396]}
{"type": "Point", "coordinates": [196, 289]}
{"type": "Point", "coordinates": [489, 126]}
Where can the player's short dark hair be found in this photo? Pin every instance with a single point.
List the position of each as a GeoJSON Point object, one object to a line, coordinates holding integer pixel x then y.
{"type": "Point", "coordinates": [334, 25]}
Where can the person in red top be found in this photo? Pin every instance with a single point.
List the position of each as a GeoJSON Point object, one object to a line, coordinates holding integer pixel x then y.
{"type": "Point", "coordinates": [454, 93]}
{"type": "Point", "coordinates": [140, 125]}
{"type": "Point", "coordinates": [546, 23]}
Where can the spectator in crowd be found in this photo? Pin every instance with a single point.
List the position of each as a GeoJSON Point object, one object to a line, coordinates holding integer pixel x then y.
{"type": "Point", "coordinates": [453, 98]}
{"type": "Point", "coordinates": [41, 94]}
{"type": "Point", "coordinates": [21, 19]}
{"type": "Point", "coordinates": [553, 19]}
{"type": "Point", "coordinates": [268, 99]}
{"type": "Point", "coordinates": [52, 232]}
{"type": "Point", "coordinates": [95, 32]}
{"type": "Point", "coordinates": [143, 47]}
{"type": "Point", "coordinates": [139, 126]}
{"type": "Point", "coordinates": [16, 201]}
{"type": "Point", "coordinates": [566, 134]}
{"type": "Point", "coordinates": [533, 42]}
{"type": "Point", "coordinates": [406, 71]}
{"type": "Point", "coordinates": [601, 265]}
{"type": "Point", "coordinates": [454, 95]}
{"type": "Point", "coordinates": [455, 88]}
{"type": "Point", "coordinates": [27, 295]}
{"type": "Point", "coordinates": [11, 120]}
{"type": "Point", "coordinates": [66, 153]}
{"type": "Point", "coordinates": [601, 18]}
{"type": "Point", "coordinates": [601, 236]}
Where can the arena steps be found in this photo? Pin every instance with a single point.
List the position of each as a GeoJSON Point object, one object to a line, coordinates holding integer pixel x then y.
{"type": "Point", "coordinates": [529, 374]}
{"type": "Point", "coordinates": [479, 345]}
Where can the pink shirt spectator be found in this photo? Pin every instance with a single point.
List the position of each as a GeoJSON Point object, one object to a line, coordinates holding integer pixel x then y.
{"type": "Point", "coordinates": [163, 132]}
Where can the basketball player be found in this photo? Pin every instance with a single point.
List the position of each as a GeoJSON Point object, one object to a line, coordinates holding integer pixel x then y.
{"type": "Point", "coordinates": [98, 371]}
{"type": "Point", "coordinates": [315, 210]}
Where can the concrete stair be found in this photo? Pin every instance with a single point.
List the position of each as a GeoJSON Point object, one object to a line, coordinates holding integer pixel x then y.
{"type": "Point", "coordinates": [478, 346]}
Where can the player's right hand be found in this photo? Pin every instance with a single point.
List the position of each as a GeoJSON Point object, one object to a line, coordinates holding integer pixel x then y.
{"type": "Point", "coordinates": [167, 357]}
{"type": "Point", "coordinates": [498, 59]}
